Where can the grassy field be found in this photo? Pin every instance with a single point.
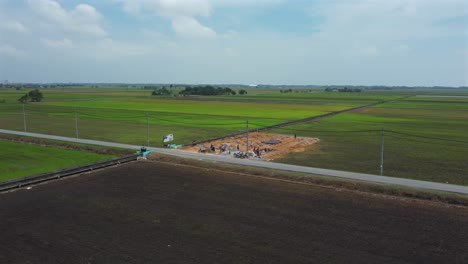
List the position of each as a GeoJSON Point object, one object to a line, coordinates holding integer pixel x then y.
{"type": "Point", "coordinates": [125, 116]}
{"type": "Point", "coordinates": [426, 141]}
{"type": "Point", "coordinates": [425, 136]}
{"type": "Point", "coordinates": [19, 160]}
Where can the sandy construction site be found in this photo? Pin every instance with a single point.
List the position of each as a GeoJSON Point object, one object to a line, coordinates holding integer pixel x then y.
{"type": "Point", "coordinates": [270, 146]}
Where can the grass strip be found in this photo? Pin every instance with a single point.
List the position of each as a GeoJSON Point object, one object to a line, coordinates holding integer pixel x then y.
{"type": "Point", "coordinates": [320, 180]}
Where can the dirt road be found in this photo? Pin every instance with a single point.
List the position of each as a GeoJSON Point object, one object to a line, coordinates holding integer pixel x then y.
{"type": "Point", "coordinates": [147, 212]}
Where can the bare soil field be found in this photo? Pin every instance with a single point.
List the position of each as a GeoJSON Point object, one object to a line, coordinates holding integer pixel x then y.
{"type": "Point", "coordinates": [153, 212]}
{"type": "Point", "coordinates": [268, 151]}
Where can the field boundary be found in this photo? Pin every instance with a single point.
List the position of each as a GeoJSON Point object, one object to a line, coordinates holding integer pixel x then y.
{"type": "Point", "coordinates": [317, 180]}
{"type": "Point", "coordinates": [18, 183]}
{"type": "Point", "coordinates": [263, 164]}
{"type": "Point", "coordinates": [299, 121]}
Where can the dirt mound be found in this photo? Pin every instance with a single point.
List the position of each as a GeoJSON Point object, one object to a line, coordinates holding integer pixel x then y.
{"type": "Point", "coordinates": [286, 144]}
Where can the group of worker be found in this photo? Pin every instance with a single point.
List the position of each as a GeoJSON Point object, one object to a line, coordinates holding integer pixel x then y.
{"type": "Point", "coordinates": [223, 148]}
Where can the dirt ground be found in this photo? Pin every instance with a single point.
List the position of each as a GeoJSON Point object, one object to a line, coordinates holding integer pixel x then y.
{"type": "Point", "coordinates": [152, 212]}
{"type": "Point", "coordinates": [288, 144]}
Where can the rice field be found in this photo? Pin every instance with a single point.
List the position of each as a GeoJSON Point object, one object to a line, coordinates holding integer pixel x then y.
{"type": "Point", "coordinates": [19, 160]}
{"type": "Point", "coordinates": [424, 137]}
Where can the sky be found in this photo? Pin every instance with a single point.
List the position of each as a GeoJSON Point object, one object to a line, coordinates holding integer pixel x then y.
{"type": "Point", "coordinates": [301, 42]}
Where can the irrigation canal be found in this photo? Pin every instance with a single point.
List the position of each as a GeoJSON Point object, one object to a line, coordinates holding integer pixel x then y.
{"type": "Point", "coordinates": [263, 164]}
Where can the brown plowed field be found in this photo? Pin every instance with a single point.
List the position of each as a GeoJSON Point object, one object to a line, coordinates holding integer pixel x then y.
{"type": "Point", "coordinates": [150, 212]}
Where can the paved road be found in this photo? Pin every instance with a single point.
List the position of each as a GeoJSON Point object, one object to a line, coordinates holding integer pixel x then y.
{"type": "Point", "coordinates": [264, 164]}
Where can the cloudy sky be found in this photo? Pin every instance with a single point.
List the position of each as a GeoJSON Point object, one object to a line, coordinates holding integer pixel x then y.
{"type": "Point", "coordinates": [360, 42]}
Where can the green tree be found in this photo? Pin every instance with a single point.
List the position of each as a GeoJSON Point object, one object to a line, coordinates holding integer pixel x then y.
{"type": "Point", "coordinates": [205, 90]}
{"type": "Point", "coordinates": [242, 92]}
{"type": "Point", "coordinates": [35, 95]}
{"type": "Point", "coordinates": [23, 99]}
{"type": "Point", "coordinates": [161, 91]}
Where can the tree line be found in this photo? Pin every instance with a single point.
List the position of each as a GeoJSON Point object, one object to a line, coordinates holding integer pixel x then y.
{"type": "Point", "coordinates": [207, 90]}
{"type": "Point", "coordinates": [198, 90]}
{"type": "Point", "coordinates": [343, 90]}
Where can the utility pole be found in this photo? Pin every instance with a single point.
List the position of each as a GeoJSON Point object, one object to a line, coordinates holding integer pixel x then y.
{"type": "Point", "coordinates": [76, 123]}
{"type": "Point", "coordinates": [247, 137]}
{"type": "Point", "coordinates": [147, 130]}
{"type": "Point", "coordinates": [382, 153]}
{"type": "Point", "coordinates": [24, 119]}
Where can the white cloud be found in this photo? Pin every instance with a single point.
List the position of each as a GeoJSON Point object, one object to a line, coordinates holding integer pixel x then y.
{"type": "Point", "coordinates": [110, 49]}
{"type": "Point", "coordinates": [57, 44]}
{"type": "Point", "coordinates": [187, 26]}
{"type": "Point", "coordinates": [246, 3]}
{"type": "Point", "coordinates": [231, 52]}
{"type": "Point", "coordinates": [231, 34]}
{"type": "Point", "coordinates": [403, 48]}
{"type": "Point", "coordinates": [168, 8]}
{"type": "Point", "coordinates": [152, 34]}
{"type": "Point", "coordinates": [366, 50]}
{"type": "Point", "coordinates": [85, 13]}
{"type": "Point", "coordinates": [180, 12]}
{"type": "Point", "coordinates": [10, 51]}
{"type": "Point", "coordinates": [83, 19]}
{"type": "Point", "coordinates": [379, 27]}
{"type": "Point", "coordinates": [390, 19]}
{"type": "Point", "coordinates": [342, 41]}
{"type": "Point", "coordinates": [14, 26]}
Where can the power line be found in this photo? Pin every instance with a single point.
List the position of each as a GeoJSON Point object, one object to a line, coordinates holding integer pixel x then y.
{"type": "Point", "coordinates": [330, 131]}
{"type": "Point", "coordinates": [207, 124]}
{"type": "Point", "coordinates": [429, 143]}
{"type": "Point", "coordinates": [426, 137]}
{"type": "Point", "coordinates": [254, 126]}
{"type": "Point", "coordinates": [368, 131]}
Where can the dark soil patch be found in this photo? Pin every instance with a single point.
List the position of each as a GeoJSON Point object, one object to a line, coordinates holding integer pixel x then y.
{"type": "Point", "coordinates": [150, 212]}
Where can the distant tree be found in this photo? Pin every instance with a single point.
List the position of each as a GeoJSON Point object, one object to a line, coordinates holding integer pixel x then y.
{"type": "Point", "coordinates": [349, 90]}
{"type": "Point", "coordinates": [35, 95]}
{"type": "Point", "coordinates": [242, 92]}
{"type": "Point", "coordinates": [23, 99]}
{"type": "Point", "coordinates": [161, 91]}
{"type": "Point", "coordinates": [205, 90]}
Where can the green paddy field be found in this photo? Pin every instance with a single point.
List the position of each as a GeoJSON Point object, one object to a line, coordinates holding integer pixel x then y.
{"type": "Point", "coordinates": [20, 160]}
{"type": "Point", "coordinates": [424, 137]}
